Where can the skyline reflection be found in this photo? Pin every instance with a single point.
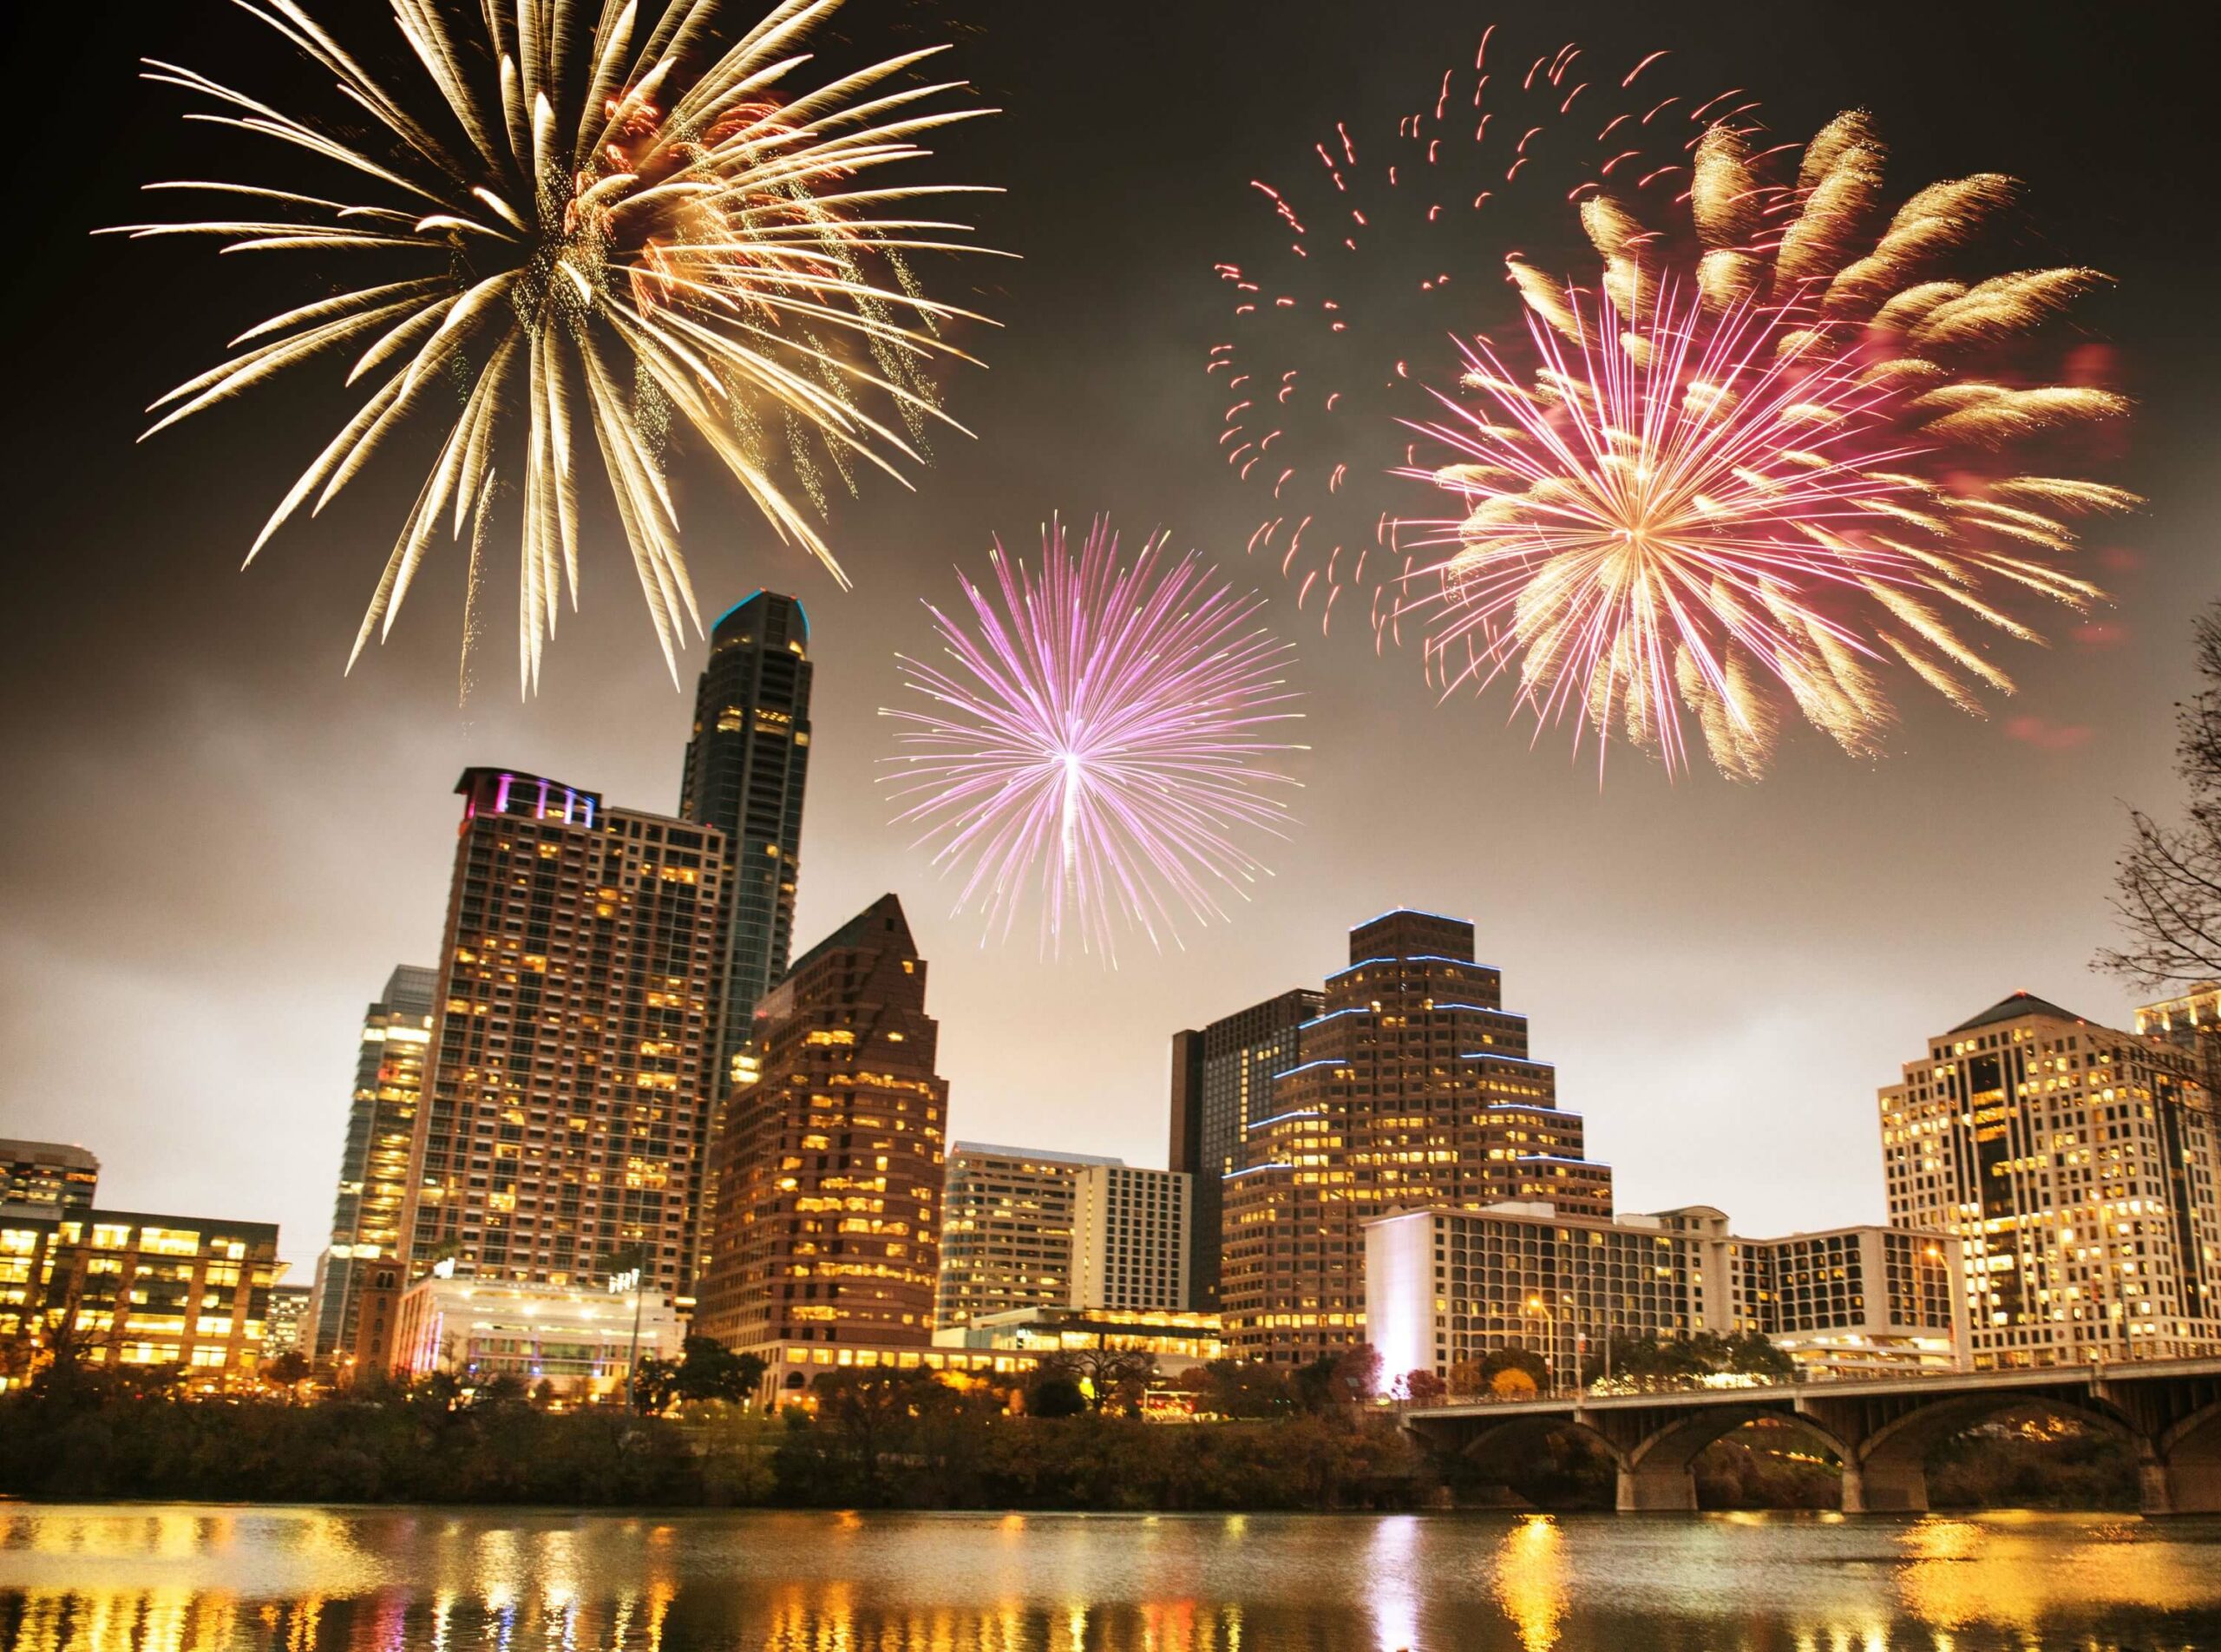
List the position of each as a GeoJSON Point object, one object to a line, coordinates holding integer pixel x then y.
{"type": "Point", "coordinates": [300, 1580]}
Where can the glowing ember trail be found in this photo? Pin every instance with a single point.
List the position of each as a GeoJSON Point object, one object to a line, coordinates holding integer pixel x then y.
{"type": "Point", "coordinates": [1365, 260]}
{"type": "Point", "coordinates": [609, 237]}
{"type": "Point", "coordinates": [1783, 451]}
{"type": "Point", "coordinates": [1099, 743]}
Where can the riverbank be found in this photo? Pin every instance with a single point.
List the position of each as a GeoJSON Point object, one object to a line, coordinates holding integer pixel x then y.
{"type": "Point", "coordinates": [415, 1448]}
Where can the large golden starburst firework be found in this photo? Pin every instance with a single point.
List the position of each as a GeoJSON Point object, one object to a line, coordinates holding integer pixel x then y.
{"type": "Point", "coordinates": [1776, 451]}
{"type": "Point", "coordinates": [610, 235]}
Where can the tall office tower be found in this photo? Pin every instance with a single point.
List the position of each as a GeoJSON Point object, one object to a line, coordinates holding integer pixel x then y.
{"type": "Point", "coordinates": [744, 771]}
{"type": "Point", "coordinates": [1130, 1238]}
{"type": "Point", "coordinates": [1006, 1231]}
{"type": "Point", "coordinates": [1415, 1089]}
{"type": "Point", "coordinates": [2192, 1022]}
{"type": "Point", "coordinates": [46, 1178]}
{"type": "Point", "coordinates": [2076, 1164]}
{"type": "Point", "coordinates": [374, 1163]}
{"type": "Point", "coordinates": [1217, 1073]}
{"type": "Point", "coordinates": [573, 1047]}
{"type": "Point", "coordinates": [827, 1162]}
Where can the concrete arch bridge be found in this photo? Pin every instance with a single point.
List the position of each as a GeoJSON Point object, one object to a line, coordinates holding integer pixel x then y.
{"type": "Point", "coordinates": [1882, 1431]}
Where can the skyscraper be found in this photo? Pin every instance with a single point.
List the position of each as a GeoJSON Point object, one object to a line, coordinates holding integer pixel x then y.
{"type": "Point", "coordinates": [1130, 1238]}
{"type": "Point", "coordinates": [1217, 1075]}
{"type": "Point", "coordinates": [828, 1161]}
{"type": "Point", "coordinates": [1006, 1231]}
{"type": "Point", "coordinates": [745, 766]}
{"type": "Point", "coordinates": [1415, 1089]}
{"type": "Point", "coordinates": [2076, 1164]}
{"type": "Point", "coordinates": [573, 1040]}
{"type": "Point", "coordinates": [374, 1162]}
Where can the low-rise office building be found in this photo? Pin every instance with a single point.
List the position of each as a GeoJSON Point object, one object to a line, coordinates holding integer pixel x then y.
{"type": "Point", "coordinates": [125, 1288]}
{"type": "Point", "coordinates": [1450, 1287]}
{"type": "Point", "coordinates": [46, 1178]}
{"type": "Point", "coordinates": [582, 1342]}
{"type": "Point", "coordinates": [1181, 1341]}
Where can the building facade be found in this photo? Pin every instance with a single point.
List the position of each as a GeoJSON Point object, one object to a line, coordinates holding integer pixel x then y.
{"type": "Point", "coordinates": [1446, 1288]}
{"type": "Point", "coordinates": [2077, 1165]}
{"type": "Point", "coordinates": [827, 1159]}
{"type": "Point", "coordinates": [1130, 1239]}
{"type": "Point", "coordinates": [374, 1161]}
{"type": "Point", "coordinates": [573, 1042]}
{"type": "Point", "coordinates": [746, 765]}
{"type": "Point", "coordinates": [284, 1328]}
{"type": "Point", "coordinates": [1416, 1089]}
{"type": "Point", "coordinates": [47, 1178]}
{"type": "Point", "coordinates": [1006, 1231]}
{"type": "Point", "coordinates": [2192, 1022]}
{"type": "Point", "coordinates": [125, 1289]}
{"type": "Point", "coordinates": [582, 1342]}
{"type": "Point", "coordinates": [1180, 1340]}
{"type": "Point", "coordinates": [1221, 1075]}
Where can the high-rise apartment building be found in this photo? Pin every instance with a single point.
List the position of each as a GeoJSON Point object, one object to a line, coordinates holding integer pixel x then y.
{"type": "Point", "coordinates": [1219, 1074]}
{"type": "Point", "coordinates": [573, 1040]}
{"type": "Point", "coordinates": [745, 766]}
{"type": "Point", "coordinates": [1006, 1231]}
{"type": "Point", "coordinates": [46, 1178]}
{"type": "Point", "coordinates": [1415, 1089]}
{"type": "Point", "coordinates": [2077, 1166]}
{"type": "Point", "coordinates": [1130, 1238]}
{"type": "Point", "coordinates": [2192, 1022]}
{"type": "Point", "coordinates": [1447, 1287]}
{"type": "Point", "coordinates": [374, 1162]}
{"type": "Point", "coordinates": [286, 1324]}
{"type": "Point", "coordinates": [827, 1159]}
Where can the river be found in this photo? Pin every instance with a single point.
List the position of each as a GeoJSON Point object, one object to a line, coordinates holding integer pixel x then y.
{"type": "Point", "coordinates": [178, 1578]}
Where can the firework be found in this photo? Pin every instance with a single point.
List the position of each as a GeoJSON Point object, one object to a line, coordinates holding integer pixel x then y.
{"type": "Point", "coordinates": [1100, 740]}
{"type": "Point", "coordinates": [576, 240]}
{"type": "Point", "coordinates": [1782, 450]}
{"type": "Point", "coordinates": [1369, 255]}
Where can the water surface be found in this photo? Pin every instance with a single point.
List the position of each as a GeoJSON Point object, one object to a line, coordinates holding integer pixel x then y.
{"type": "Point", "coordinates": [178, 1578]}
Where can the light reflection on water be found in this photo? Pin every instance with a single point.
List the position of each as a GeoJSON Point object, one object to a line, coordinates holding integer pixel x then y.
{"type": "Point", "coordinates": [164, 1579]}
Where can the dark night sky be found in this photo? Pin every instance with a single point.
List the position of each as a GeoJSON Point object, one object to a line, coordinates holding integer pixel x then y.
{"type": "Point", "coordinates": [215, 845]}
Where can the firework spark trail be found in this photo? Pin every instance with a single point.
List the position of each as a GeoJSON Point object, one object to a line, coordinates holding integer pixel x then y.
{"type": "Point", "coordinates": [641, 202]}
{"type": "Point", "coordinates": [1099, 743]}
{"type": "Point", "coordinates": [1368, 262]}
{"type": "Point", "coordinates": [1773, 456]}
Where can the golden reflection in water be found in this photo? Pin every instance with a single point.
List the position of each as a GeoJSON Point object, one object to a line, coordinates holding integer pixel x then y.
{"type": "Point", "coordinates": [1958, 1572]}
{"type": "Point", "coordinates": [1531, 1581]}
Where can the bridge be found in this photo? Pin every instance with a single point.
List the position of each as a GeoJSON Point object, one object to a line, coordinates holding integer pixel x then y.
{"type": "Point", "coordinates": [1882, 1431]}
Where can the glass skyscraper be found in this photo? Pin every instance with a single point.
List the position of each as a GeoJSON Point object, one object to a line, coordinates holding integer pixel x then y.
{"type": "Point", "coordinates": [745, 766]}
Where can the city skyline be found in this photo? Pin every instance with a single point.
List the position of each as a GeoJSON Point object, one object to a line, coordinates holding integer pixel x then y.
{"type": "Point", "coordinates": [1680, 991]}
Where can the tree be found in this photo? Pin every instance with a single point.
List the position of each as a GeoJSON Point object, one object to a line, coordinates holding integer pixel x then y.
{"type": "Point", "coordinates": [1243, 1388]}
{"type": "Point", "coordinates": [869, 1409]}
{"type": "Point", "coordinates": [1421, 1388]}
{"type": "Point", "coordinates": [1103, 1374]}
{"type": "Point", "coordinates": [705, 1369]}
{"type": "Point", "coordinates": [2167, 886]}
{"type": "Point", "coordinates": [1341, 1379]}
{"type": "Point", "coordinates": [1055, 1395]}
{"type": "Point", "coordinates": [1512, 1382]}
{"type": "Point", "coordinates": [288, 1371]}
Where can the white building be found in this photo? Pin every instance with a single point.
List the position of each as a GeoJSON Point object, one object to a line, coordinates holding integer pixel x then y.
{"type": "Point", "coordinates": [1130, 1238]}
{"type": "Point", "coordinates": [1446, 1288]}
{"type": "Point", "coordinates": [583, 1342]}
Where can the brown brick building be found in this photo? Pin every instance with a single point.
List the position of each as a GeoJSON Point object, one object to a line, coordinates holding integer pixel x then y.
{"type": "Point", "coordinates": [1414, 1087]}
{"type": "Point", "coordinates": [827, 1162]}
{"type": "Point", "coordinates": [573, 1042]}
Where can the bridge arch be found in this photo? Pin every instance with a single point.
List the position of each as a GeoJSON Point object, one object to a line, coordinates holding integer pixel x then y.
{"type": "Point", "coordinates": [2183, 1474]}
{"type": "Point", "coordinates": [1660, 1470]}
{"type": "Point", "coordinates": [1889, 1472]}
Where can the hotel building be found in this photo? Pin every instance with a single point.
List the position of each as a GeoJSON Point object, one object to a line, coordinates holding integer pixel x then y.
{"type": "Point", "coordinates": [1006, 1231]}
{"type": "Point", "coordinates": [46, 1178]}
{"type": "Point", "coordinates": [827, 1159]}
{"type": "Point", "coordinates": [1415, 1089]}
{"type": "Point", "coordinates": [374, 1162]}
{"type": "Point", "coordinates": [1130, 1239]}
{"type": "Point", "coordinates": [2077, 1165]}
{"type": "Point", "coordinates": [1222, 1076]}
{"type": "Point", "coordinates": [746, 765]}
{"type": "Point", "coordinates": [573, 1041]}
{"type": "Point", "coordinates": [1446, 1288]}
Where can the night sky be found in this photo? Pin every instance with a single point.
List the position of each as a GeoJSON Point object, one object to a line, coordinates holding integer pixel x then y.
{"type": "Point", "coordinates": [216, 845]}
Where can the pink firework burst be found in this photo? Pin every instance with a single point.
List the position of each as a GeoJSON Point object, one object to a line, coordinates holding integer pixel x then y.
{"type": "Point", "coordinates": [1101, 739]}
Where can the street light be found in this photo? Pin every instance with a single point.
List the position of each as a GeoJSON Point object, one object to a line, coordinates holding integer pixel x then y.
{"type": "Point", "coordinates": [619, 1284]}
{"type": "Point", "coordinates": [1550, 1366]}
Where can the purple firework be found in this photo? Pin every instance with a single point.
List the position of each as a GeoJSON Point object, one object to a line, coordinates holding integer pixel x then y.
{"type": "Point", "coordinates": [1098, 738]}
